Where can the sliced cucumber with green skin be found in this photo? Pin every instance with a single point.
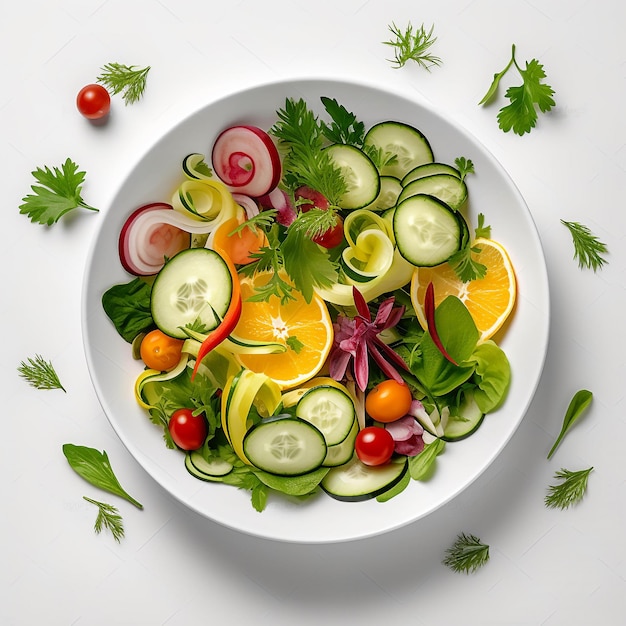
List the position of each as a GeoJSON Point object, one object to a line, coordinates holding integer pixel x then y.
{"type": "Point", "coordinates": [360, 174]}
{"type": "Point", "coordinates": [428, 169]}
{"type": "Point", "coordinates": [451, 189]}
{"type": "Point", "coordinates": [192, 289]}
{"type": "Point", "coordinates": [286, 446]}
{"type": "Point", "coordinates": [408, 144]}
{"type": "Point", "coordinates": [342, 452]}
{"type": "Point", "coordinates": [427, 231]}
{"type": "Point", "coordinates": [330, 410]}
{"type": "Point", "coordinates": [210, 471]}
{"type": "Point", "coordinates": [355, 482]}
{"type": "Point", "coordinates": [465, 420]}
{"type": "Point", "coordinates": [390, 189]}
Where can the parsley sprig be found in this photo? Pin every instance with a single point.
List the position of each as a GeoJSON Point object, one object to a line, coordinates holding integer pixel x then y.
{"type": "Point", "coordinates": [412, 45]}
{"type": "Point", "coordinates": [570, 491]}
{"type": "Point", "coordinates": [588, 249]}
{"type": "Point", "coordinates": [129, 80]}
{"type": "Point", "coordinates": [109, 518]}
{"type": "Point", "coordinates": [521, 113]}
{"type": "Point", "coordinates": [39, 373]}
{"type": "Point", "coordinates": [467, 554]}
{"type": "Point", "coordinates": [58, 193]}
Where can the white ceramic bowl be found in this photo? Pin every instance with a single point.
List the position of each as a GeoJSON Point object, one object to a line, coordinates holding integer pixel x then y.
{"type": "Point", "coordinates": [321, 519]}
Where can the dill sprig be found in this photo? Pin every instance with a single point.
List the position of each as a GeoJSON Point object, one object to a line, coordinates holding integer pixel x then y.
{"type": "Point", "coordinates": [40, 373]}
{"type": "Point", "coordinates": [109, 518]}
{"type": "Point", "coordinates": [410, 45]}
{"type": "Point", "coordinates": [588, 249]}
{"type": "Point", "coordinates": [127, 79]}
{"type": "Point", "coordinates": [568, 492]}
{"type": "Point", "coordinates": [467, 554]}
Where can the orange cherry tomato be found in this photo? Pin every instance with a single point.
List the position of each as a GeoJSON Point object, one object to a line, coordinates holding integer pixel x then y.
{"type": "Point", "coordinates": [388, 401]}
{"type": "Point", "coordinates": [160, 351]}
{"type": "Point", "coordinates": [240, 245]}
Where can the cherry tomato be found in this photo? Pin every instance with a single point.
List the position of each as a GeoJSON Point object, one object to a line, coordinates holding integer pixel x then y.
{"type": "Point", "coordinates": [388, 401]}
{"type": "Point", "coordinates": [374, 445]}
{"type": "Point", "coordinates": [188, 430]}
{"type": "Point", "coordinates": [241, 245]}
{"type": "Point", "coordinates": [307, 199]}
{"type": "Point", "coordinates": [93, 101]}
{"type": "Point", "coordinates": [160, 351]}
{"type": "Point", "coordinates": [332, 237]}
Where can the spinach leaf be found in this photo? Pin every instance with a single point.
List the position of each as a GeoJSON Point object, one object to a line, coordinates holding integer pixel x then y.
{"type": "Point", "coordinates": [128, 307]}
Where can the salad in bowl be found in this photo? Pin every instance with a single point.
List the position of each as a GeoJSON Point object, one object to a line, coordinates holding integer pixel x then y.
{"type": "Point", "coordinates": [316, 308]}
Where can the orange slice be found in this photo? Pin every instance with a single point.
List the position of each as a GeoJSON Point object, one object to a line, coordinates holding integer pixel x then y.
{"type": "Point", "coordinates": [305, 328]}
{"type": "Point", "coordinates": [490, 300]}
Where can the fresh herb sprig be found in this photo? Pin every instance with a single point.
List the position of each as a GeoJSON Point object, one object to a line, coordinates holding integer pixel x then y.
{"type": "Point", "coordinates": [521, 113]}
{"type": "Point", "coordinates": [345, 127]}
{"type": "Point", "coordinates": [108, 518]}
{"type": "Point", "coordinates": [40, 373]}
{"type": "Point", "coordinates": [129, 80]}
{"type": "Point", "coordinates": [465, 166]}
{"type": "Point", "coordinates": [577, 406]}
{"type": "Point", "coordinates": [58, 192]}
{"type": "Point", "coordinates": [568, 492]}
{"type": "Point", "coordinates": [588, 249]}
{"type": "Point", "coordinates": [95, 468]}
{"type": "Point", "coordinates": [464, 264]}
{"type": "Point", "coordinates": [467, 554]}
{"type": "Point", "coordinates": [412, 45]}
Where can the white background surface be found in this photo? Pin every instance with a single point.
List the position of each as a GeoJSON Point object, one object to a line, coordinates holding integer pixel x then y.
{"type": "Point", "coordinates": [547, 567]}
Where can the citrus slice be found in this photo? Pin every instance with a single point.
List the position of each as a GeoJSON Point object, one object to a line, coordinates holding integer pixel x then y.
{"type": "Point", "coordinates": [305, 328]}
{"type": "Point", "coordinates": [489, 300]}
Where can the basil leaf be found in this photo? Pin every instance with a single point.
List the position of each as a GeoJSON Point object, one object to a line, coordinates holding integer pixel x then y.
{"type": "Point", "coordinates": [577, 406]}
{"type": "Point", "coordinates": [128, 307]}
{"type": "Point", "coordinates": [95, 468]}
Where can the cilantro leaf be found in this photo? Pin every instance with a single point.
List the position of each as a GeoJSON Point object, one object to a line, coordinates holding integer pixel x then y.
{"type": "Point", "coordinates": [345, 127]}
{"type": "Point", "coordinates": [59, 192]}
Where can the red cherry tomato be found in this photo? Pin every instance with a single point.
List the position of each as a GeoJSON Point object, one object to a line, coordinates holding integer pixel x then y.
{"type": "Point", "coordinates": [307, 199]}
{"type": "Point", "coordinates": [374, 445]}
{"type": "Point", "coordinates": [93, 101]}
{"type": "Point", "coordinates": [187, 430]}
{"type": "Point", "coordinates": [160, 351]}
{"type": "Point", "coordinates": [332, 237]}
{"type": "Point", "coordinates": [388, 401]}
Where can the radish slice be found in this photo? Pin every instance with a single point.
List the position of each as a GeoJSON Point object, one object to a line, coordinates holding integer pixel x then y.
{"type": "Point", "coordinates": [280, 200]}
{"type": "Point", "coordinates": [151, 234]}
{"type": "Point", "coordinates": [246, 159]}
{"type": "Point", "coordinates": [248, 204]}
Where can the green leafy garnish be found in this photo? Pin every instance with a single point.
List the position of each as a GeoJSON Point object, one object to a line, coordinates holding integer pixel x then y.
{"type": "Point", "coordinates": [466, 267]}
{"type": "Point", "coordinates": [588, 249]}
{"type": "Point", "coordinates": [345, 127]}
{"type": "Point", "coordinates": [521, 114]}
{"type": "Point", "coordinates": [95, 468]}
{"type": "Point", "coordinates": [579, 402]}
{"type": "Point", "coordinates": [568, 492]}
{"type": "Point", "coordinates": [109, 518]}
{"type": "Point", "coordinates": [295, 344]}
{"type": "Point", "coordinates": [130, 80]}
{"type": "Point", "coordinates": [128, 306]}
{"type": "Point", "coordinates": [40, 373]}
{"type": "Point", "coordinates": [465, 166]}
{"type": "Point", "coordinates": [59, 192]}
{"type": "Point", "coordinates": [412, 45]}
{"type": "Point", "coordinates": [262, 220]}
{"type": "Point", "coordinates": [467, 554]}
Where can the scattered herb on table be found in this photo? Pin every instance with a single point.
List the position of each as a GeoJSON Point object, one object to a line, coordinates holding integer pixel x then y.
{"type": "Point", "coordinates": [40, 373]}
{"type": "Point", "coordinates": [95, 468]}
{"type": "Point", "coordinates": [59, 192]}
{"type": "Point", "coordinates": [467, 554]}
{"type": "Point", "coordinates": [570, 491]}
{"type": "Point", "coordinates": [521, 113]}
{"type": "Point", "coordinates": [579, 402]}
{"type": "Point", "coordinates": [109, 518]}
{"type": "Point", "coordinates": [130, 80]}
{"type": "Point", "coordinates": [588, 249]}
{"type": "Point", "coordinates": [412, 45]}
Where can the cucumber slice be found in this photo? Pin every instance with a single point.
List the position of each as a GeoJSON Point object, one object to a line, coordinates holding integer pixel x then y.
{"type": "Point", "coordinates": [451, 189]}
{"type": "Point", "coordinates": [406, 142]}
{"type": "Point", "coordinates": [428, 169]}
{"type": "Point", "coordinates": [287, 446]}
{"type": "Point", "coordinates": [192, 289]}
{"type": "Point", "coordinates": [360, 174]}
{"type": "Point", "coordinates": [330, 410]}
{"type": "Point", "coordinates": [355, 482]}
{"type": "Point", "coordinates": [427, 230]}
{"type": "Point", "coordinates": [199, 467]}
{"type": "Point", "coordinates": [390, 189]}
{"type": "Point", "coordinates": [465, 420]}
{"type": "Point", "coordinates": [342, 452]}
